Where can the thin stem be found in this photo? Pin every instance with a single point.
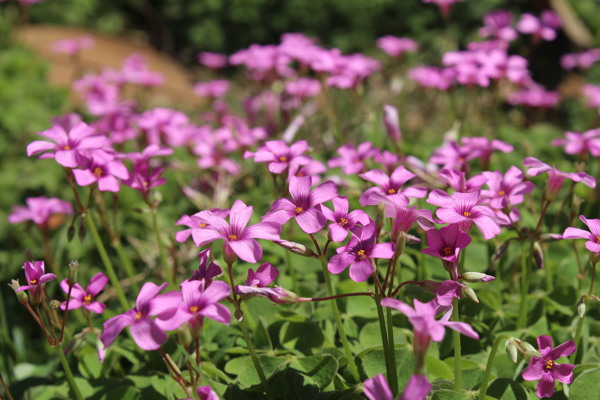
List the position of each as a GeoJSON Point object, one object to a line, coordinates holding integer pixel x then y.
{"type": "Point", "coordinates": [161, 251]}
{"type": "Point", "coordinates": [522, 318]}
{"type": "Point", "coordinates": [89, 221]}
{"type": "Point", "coordinates": [490, 364]}
{"type": "Point", "coordinates": [338, 320]}
{"type": "Point", "coordinates": [539, 223]}
{"type": "Point", "coordinates": [387, 352]}
{"type": "Point", "coordinates": [579, 329]}
{"type": "Point", "coordinates": [457, 351]}
{"type": "Point", "coordinates": [337, 296]}
{"type": "Point", "coordinates": [68, 373]}
{"type": "Point", "coordinates": [392, 349]}
{"type": "Point", "coordinates": [126, 263]}
{"type": "Point", "coordinates": [6, 390]}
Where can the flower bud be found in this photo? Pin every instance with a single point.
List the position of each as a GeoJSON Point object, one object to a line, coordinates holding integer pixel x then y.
{"type": "Point", "coordinates": [501, 250]}
{"type": "Point", "coordinates": [55, 304]}
{"type": "Point", "coordinates": [72, 278]}
{"type": "Point", "coordinates": [239, 315]}
{"type": "Point", "coordinates": [184, 336]}
{"type": "Point", "coordinates": [550, 237]}
{"type": "Point", "coordinates": [538, 255]}
{"type": "Point", "coordinates": [476, 277]}
{"type": "Point", "coordinates": [285, 296]}
{"type": "Point", "coordinates": [512, 349]}
{"type": "Point", "coordinates": [22, 295]}
{"type": "Point", "coordinates": [527, 350]}
{"type": "Point", "coordinates": [470, 293]}
{"type": "Point", "coordinates": [296, 248]}
{"type": "Point", "coordinates": [576, 205]}
{"type": "Point", "coordinates": [156, 198]}
{"type": "Point", "coordinates": [581, 308]}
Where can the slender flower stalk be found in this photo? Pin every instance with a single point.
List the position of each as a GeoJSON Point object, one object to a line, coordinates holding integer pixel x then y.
{"type": "Point", "coordinates": [68, 372]}
{"type": "Point", "coordinates": [457, 349]}
{"type": "Point", "coordinates": [163, 258]}
{"type": "Point", "coordinates": [489, 366]}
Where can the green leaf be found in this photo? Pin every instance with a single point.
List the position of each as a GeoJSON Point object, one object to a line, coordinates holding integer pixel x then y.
{"type": "Point", "coordinates": [303, 336]}
{"type": "Point", "coordinates": [317, 370]}
{"type": "Point", "coordinates": [586, 386]}
{"type": "Point", "coordinates": [506, 389]}
{"type": "Point", "coordinates": [438, 369]}
{"type": "Point", "coordinates": [446, 394]}
{"type": "Point", "coordinates": [246, 374]}
{"type": "Point", "coordinates": [373, 363]}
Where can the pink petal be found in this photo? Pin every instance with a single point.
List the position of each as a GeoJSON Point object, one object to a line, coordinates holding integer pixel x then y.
{"type": "Point", "coordinates": [204, 236]}
{"type": "Point", "coordinates": [108, 184]}
{"type": "Point", "coordinates": [338, 234]}
{"type": "Point", "coordinates": [324, 192]}
{"type": "Point", "coordinates": [73, 304]}
{"type": "Point", "coordinates": [545, 387]}
{"type": "Point", "coordinates": [217, 312]}
{"type": "Point", "coordinates": [360, 271]}
{"type": "Point", "coordinates": [300, 188]}
{"type": "Point", "coordinates": [463, 328]}
{"type": "Point", "coordinates": [97, 284]}
{"type": "Point", "coordinates": [264, 230]}
{"type": "Point", "coordinates": [311, 221]}
{"type": "Point", "coordinates": [382, 250]}
{"type": "Point", "coordinates": [240, 215]}
{"type": "Point", "coordinates": [147, 293]}
{"type": "Point", "coordinates": [247, 249]}
{"type": "Point", "coordinates": [67, 158]}
{"type": "Point", "coordinates": [545, 345]}
{"type": "Point", "coordinates": [95, 307]}
{"type": "Point", "coordinates": [488, 227]}
{"type": "Point", "coordinates": [398, 305]}
{"type": "Point", "coordinates": [147, 335]}
{"type": "Point", "coordinates": [339, 262]}
{"type": "Point", "coordinates": [440, 198]}
{"type": "Point", "coordinates": [340, 204]}
{"type": "Point", "coordinates": [563, 372]}
{"type": "Point", "coordinates": [39, 146]}
{"type": "Point", "coordinates": [562, 350]}
{"type": "Point", "coordinates": [84, 177]}
{"type": "Point", "coordinates": [377, 388]}
{"type": "Point", "coordinates": [376, 176]}
{"type": "Point", "coordinates": [417, 388]}
{"type": "Point", "coordinates": [534, 370]}
{"type": "Point", "coordinates": [114, 326]}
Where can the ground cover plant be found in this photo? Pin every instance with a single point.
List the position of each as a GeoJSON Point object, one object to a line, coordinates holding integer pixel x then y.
{"type": "Point", "coordinates": [327, 225]}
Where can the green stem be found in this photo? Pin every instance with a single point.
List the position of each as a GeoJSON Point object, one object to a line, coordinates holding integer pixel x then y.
{"type": "Point", "coordinates": [89, 221]}
{"type": "Point", "coordinates": [522, 319]}
{"type": "Point", "coordinates": [579, 329]}
{"type": "Point", "coordinates": [338, 320]}
{"type": "Point", "coordinates": [457, 352]}
{"type": "Point", "coordinates": [68, 373]}
{"type": "Point", "coordinates": [490, 364]}
{"type": "Point", "coordinates": [392, 352]}
{"type": "Point", "coordinates": [291, 271]}
{"type": "Point", "coordinates": [161, 251]}
{"type": "Point", "coordinates": [392, 379]}
{"type": "Point", "coordinates": [127, 264]}
{"type": "Point", "coordinates": [254, 357]}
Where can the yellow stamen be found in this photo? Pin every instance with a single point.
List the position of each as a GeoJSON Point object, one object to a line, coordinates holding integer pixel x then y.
{"type": "Point", "coordinates": [283, 158]}
{"type": "Point", "coordinates": [299, 210]}
{"type": "Point", "coordinates": [194, 308]}
{"type": "Point", "coordinates": [202, 225]}
{"type": "Point", "coordinates": [391, 191]}
{"type": "Point", "coordinates": [98, 172]}
{"type": "Point", "coordinates": [549, 365]}
{"type": "Point", "coordinates": [33, 281]}
{"type": "Point", "coordinates": [232, 237]}
{"type": "Point", "coordinates": [361, 254]}
{"type": "Point", "coordinates": [67, 148]}
{"type": "Point", "coordinates": [138, 315]}
{"type": "Point", "coordinates": [467, 214]}
{"type": "Point", "coordinates": [501, 193]}
{"type": "Point", "coordinates": [343, 221]}
{"type": "Point", "coordinates": [87, 299]}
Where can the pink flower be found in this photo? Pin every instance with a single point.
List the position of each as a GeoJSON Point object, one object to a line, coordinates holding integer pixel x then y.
{"type": "Point", "coordinates": [144, 330]}
{"type": "Point", "coordinates": [433, 77]}
{"type": "Point", "coordinates": [392, 123]}
{"type": "Point", "coordinates": [303, 88]}
{"type": "Point", "coordinates": [238, 239]}
{"type": "Point", "coordinates": [534, 95]}
{"type": "Point", "coordinates": [343, 221]}
{"type": "Point", "coordinates": [165, 125]}
{"type": "Point", "coordinates": [212, 60]}
{"type": "Point", "coordinates": [68, 148]}
{"type": "Point", "coordinates": [36, 277]}
{"type": "Point", "coordinates": [593, 237]}
{"type": "Point", "coordinates": [359, 252]}
{"type": "Point", "coordinates": [546, 370]}
{"type": "Point", "coordinates": [545, 27]}
{"type": "Point", "coordinates": [256, 285]}
{"type": "Point", "coordinates": [135, 70]}
{"type": "Point", "coordinates": [447, 242]}
{"type": "Point", "coordinates": [389, 186]}
{"type": "Point", "coordinates": [206, 271]}
{"type": "Point", "coordinates": [457, 180]}
{"type": "Point", "coordinates": [40, 210]}
{"type": "Point", "coordinates": [214, 89]}
{"type": "Point", "coordinates": [352, 160]}
{"type": "Point", "coordinates": [193, 304]}
{"type": "Point", "coordinates": [197, 223]}
{"type": "Point", "coordinates": [72, 46]}
{"type": "Point", "coordinates": [394, 46]}
{"type": "Point", "coordinates": [465, 208]}
{"type": "Point", "coordinates": [102, 171]}
{"type": "Point", "coordinates": [508, 190]}
{"type": "Point", "coordinates": [580, 143]}
{"type": "Point", "coordinates": [304, 206]}
{"type": "Point", "coordinates": [556, 177]}
{"type": "Point", "coordinates": [81, 297]}
{"type": "Point", "coordinates": [279, 155]}
{"type": "Point", "coordinates": [377, 388]}
{"type": "Point", "coordinates": [498, 26]}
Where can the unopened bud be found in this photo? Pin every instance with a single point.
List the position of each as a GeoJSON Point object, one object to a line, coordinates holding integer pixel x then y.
{"type": "Point", "coordinates": [156, 197]}
{"type": "Point", "coordinates": [70, 233]}
{"type": "Point", "coordinates": [239, 315]}
{"type": "Point", "coordinates": [581, 308]}
{"type": "Point", "coordinates": [501, 250]}
{"type": "Point", "coordinates": [576, 205]}
{"type": "Point", "coordinates": [82, 231]}
{"type": "Point", "coordinates": [296, 248]}
{"type": "Point", "coordinates": [538, 255]}
{"type": "Point", "coordinates": [512, 349]}
{"type": "Point", "coordinates": [550, 237]}
{"type": "Point", "coordinates": [528, 350]}
{"type": "Point", "coordinates": [184, 336]}
{"type": "Point", "coordinates": [476, 277]}
{"type": "Point", "coordinates": [55, 304]}
{"type": "Point", "coordinates": [285, 296]}
{"type": "Point", "coordinates": [470, 293]}
{"type": "Point", "coordinates": [72, 278]}
{"type": "Point", "coordinates": [21, 295]}
{"type": "Point", "coordinates": [412, 238]}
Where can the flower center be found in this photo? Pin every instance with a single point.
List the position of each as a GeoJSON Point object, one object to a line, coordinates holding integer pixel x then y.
{"type": "Point", "coordinates": [283, 158]}
{"type": "Point", "coordinates": [98, 172]}
{"type": "Point", "coordinates": [391, 191]}
{"type": "Point", "coordinates": [549, 365]}
{"type": "Point", "coordinates": [87, 299]}
{"type": "Point", "coordinates": [202, 225]}
{"type": "Point", "coordinates": [299, 210]}
{"type": "Point", "coordinates": [598, 238]}
{"type": "Point", "coordinates": [501, 193]}
{"type": "Point", "coordinates": [67, 147]}
{"type": "Point", "coordinates": [467, 214]}
{"type": "Point", "coordinates": [232, 237]}
{"type": "Point", "coordinates": [447, 251]}
{"type": "Point", "coordinates": [343, 221]}
{"type": "Point", "coordinates": [194, 308]}
{"type": "Point", "coordinates": [361, 254]}
{"type": "Point", "coordinates": [357, 160]}
{"type": "Point", "coordinates": [138, 315]}
{"type": "Point", "coordinates": [33, 281]}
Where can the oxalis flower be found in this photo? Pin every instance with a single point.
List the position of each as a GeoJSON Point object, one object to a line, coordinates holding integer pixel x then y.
{"type": "Point", "coordinates": [81, 297]}
{"type": "Point", "coordinates": [239, 240]}
{"type": "Point", "coordinates": [377, 388]}
{"type": "Point", "coordinates": [359, 252]}
{"type": "Point", "coordinates": [546, 370]}
{"type": "Point", "coordinates": [593, 237]}
{"type": "Point", "coordinates": [465, 209]}
{"type": "Point", "coordinates": [390, 186]}
{"type": "Point", "coordinates": [343, 220]}
{"type": "Point", "coordinates": [36, 276]}
{"type": "Point", "coordinates": [304, 204]}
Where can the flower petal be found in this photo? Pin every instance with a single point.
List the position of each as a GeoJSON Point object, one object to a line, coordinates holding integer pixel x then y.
{"type": "Point", "coordinates": [147, 335]}
{"type": "Point", "coordinates": [247, 249]}
{"type": "Point", "coordinates": [311, 220]}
